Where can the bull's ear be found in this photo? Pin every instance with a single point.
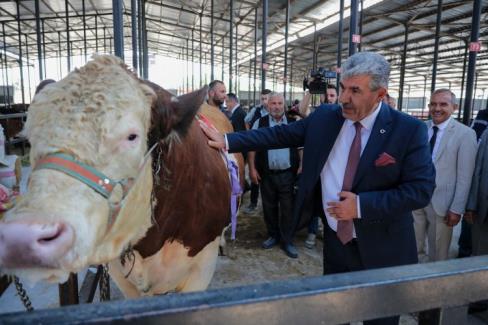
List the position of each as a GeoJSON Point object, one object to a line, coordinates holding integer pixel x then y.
{"type": "Point", "coordinates": [185, 107]}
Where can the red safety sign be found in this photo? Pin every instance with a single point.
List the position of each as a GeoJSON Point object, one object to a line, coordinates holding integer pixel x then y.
{"type": "Point", "coordinates": [475, 46]}
{"type": "Point", "coordinates": [265, 66]}
{"type": "Point", "coordinates": [356, 38]}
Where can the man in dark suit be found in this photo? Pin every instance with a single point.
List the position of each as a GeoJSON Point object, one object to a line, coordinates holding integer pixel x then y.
{"type": "Point", "coordinates": [365, 167]}
{"type": "Point", "coordinates": [235, 112]}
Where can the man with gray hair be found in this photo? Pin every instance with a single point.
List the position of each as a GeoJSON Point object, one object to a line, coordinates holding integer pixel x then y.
{"type": "Point", "coordinates": [275, 171]}
{"type": "Point", "coordinates": [453, 148]}
{"type": "Point", "coordinates": [366, 167]}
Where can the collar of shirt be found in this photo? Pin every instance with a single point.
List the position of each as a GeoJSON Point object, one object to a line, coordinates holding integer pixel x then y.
{"type": "Point", "coordinates": [272, 121]}
{"type": "Point", "coordinates": [443, 125]}
{"type": "Point", "coordinates": [367, 122]}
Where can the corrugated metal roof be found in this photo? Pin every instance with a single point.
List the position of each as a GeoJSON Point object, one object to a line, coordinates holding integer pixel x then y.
{"type": "Point", "coordinates": [171, 23]}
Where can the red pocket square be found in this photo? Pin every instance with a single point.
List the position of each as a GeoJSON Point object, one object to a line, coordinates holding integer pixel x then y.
{"type": "Point", "coordinates": [384, 160]}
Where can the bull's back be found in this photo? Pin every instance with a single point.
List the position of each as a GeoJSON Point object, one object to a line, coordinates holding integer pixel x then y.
{"type": "Point", "coordinates": [222, 123]}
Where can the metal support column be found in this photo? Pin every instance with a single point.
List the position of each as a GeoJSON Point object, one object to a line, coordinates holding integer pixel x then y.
{"type": "Point", "coordinates": [118, 28]}
{"type": "Point", "coordinates": [5, 61]}
{"type": "Point", "coordinates": [436, 44]}
{"type": "Point", "coordinates": [104, 40]}
{"type": "Point", "coordinates": [187, 67]}
{"type": "Point", "coordinates": [361, 23]}
{"type": "Point", "coordinates": [212, 50]}
{"type": "Point", "coordinates": [60, 55]}
{"type": "Point", "coordinates": [223, 60]}
{"type": "Point", "coordinates": [315, 47]}
{"type": "Point", "coordinates": [133, 18]}
{"type": "Point", "coordinates": [402, 68]}
{"type": "Point", "coordinates": [462, 99]}
{"type": "Point", "coordinates": [139, 34]}
{"type": "Point", "coordinates": [423, 98]}
{"type": "Point", "coordinates": [231, 43]}
{"type": "Point", "coordinates": [83, 11]}
{"type": "Point", "coordinates": [339, 43]}
{"type": "Point", "coordinates": [96, 34]}
{"type": "Point", "coordinates": [353, 26]}
{"type": "Point", "coordinates": [236, 66]}
{"type": "Point", "coordinates": [39, 41]}
{"type": "Point", "coordinates": [255, 51]}
{"type": "Point", "coordinates": [263, 44]}
{"type": "Point", "coordinates": [28, 66]}
{"type": "Point", "coordinates": [200, 52]}
{"type": "Point", "coordinates": [21, 68]}
{"type": "Point", "coordinates": [192, 60]}
{"type": "Point", "coordinates": [475, 34]}
{"type": "Point", "coordinates": [68, 44]}
{"type": "Point", "coordinates": [473, 105]}
{"type": "Point", "coordinates": [249, 85]}
{"type": "Point", "coordinates": [287, 24]}
{"type": "Point", "coordinates": [44, 47]}
{"type": "Point", "coordinates": [145, 53]}
{"type": "Point", "coordinates": [291, 81]}
{"type": "Point", "coordinates": [205, 60]}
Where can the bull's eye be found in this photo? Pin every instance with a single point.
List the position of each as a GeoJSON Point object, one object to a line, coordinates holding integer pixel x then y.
{"type": "Point", "coordinates": [132, 137]}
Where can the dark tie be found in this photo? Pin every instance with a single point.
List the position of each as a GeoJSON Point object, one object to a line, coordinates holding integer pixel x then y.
{"type": "Point", "coordinates": [345, 227]}
{"type": "Point", "coordinates": [433, 138]}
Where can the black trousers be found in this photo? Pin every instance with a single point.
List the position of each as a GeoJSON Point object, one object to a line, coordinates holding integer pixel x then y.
{"type": "Point", "coordinates": [254, 193]}
{"type": "Point", "coordinates": [339, 258]}
{"type": "Point", "coordinates": [277, 197]}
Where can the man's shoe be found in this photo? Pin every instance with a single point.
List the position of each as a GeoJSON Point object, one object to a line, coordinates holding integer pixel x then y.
{"type": "Point", "coordinates": [270, 242]}
{"type": "Point", "coordinates": [464, 253]}
{"type": "Point", "coordinates": [477, 307]}
{"type": "Point", "coordinates": [250, 208]}
{"type": "Point", "coordinates": [290, 250]}
{"type": "Point", "coordinates": [310, 242]}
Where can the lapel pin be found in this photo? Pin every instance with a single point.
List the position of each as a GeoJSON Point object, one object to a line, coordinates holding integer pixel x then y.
{"type": "Point", "coordinates": [382, 131]}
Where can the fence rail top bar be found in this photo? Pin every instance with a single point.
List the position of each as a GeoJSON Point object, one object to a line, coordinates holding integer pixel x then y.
{"type": "Point", "coordinates": [326, 299]}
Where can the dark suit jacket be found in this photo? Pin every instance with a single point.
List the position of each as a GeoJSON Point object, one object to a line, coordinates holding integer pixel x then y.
{"type": "Point", "coordinates": [237, 119]}
{"type": "Point", "coordinates": [387, 194]}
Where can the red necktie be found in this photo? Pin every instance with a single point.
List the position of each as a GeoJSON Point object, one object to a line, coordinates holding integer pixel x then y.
{"type": "Point", "coordinates": [345, 227]}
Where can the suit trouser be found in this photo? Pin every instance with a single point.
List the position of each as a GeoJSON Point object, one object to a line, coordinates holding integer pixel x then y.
{"type": "Point", "coordinates": [340, 258]}
{"type": "Point", "coordinates": [277, 198]}
{"type": "Point", "coordinates": [480, 238]}
{"type": "Point", "coordinates": [431, 226]}
{"type": "Point", "coordinates": [465, 240]}
{"type": "Point", "coordinates": [254, 193]}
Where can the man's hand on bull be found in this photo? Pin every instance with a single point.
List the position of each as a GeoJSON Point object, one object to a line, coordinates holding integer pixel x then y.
{"type": "Point", "coordinates": [216, 139]}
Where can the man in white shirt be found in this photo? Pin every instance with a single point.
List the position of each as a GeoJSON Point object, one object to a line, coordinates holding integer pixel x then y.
{"type": "Point", "coordinates": [453, 149]}
{"type": "Point", "coordinates": [365, 168]}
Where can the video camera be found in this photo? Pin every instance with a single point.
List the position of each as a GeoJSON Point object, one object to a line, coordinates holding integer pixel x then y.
{"type": "Point", "coordinates": [318, 81]}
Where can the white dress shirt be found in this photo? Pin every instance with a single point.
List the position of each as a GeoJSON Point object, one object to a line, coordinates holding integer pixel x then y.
{"type": "Point", "coordinates": [442, 127]}
{"type": "Point", "coordinates": [332, 175]}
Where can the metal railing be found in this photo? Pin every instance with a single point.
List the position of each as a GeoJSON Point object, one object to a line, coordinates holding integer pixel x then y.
{"type": "Point", "coordinates": [329, 299]}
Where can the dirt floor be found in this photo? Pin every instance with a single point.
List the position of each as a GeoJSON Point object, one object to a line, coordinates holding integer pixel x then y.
{"type": "Point", "coordinates": [245, 262]}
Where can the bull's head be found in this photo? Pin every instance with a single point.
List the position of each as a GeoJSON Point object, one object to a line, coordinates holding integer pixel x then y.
{"type": "Point", "coordinates": [100, 117]}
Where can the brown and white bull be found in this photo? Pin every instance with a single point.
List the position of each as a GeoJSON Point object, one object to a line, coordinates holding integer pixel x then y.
{"type": "Point", "coordinates": [104, 119]}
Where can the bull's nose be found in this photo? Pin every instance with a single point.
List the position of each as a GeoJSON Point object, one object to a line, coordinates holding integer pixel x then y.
{"type": "Point", "coordinates": [25, 244]}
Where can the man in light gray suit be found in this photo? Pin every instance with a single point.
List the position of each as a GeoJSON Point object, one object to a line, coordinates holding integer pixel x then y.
{"type": "Point", "coordinates": [477, 207]}
{"type": "Point", "coordinates": [453, 147]}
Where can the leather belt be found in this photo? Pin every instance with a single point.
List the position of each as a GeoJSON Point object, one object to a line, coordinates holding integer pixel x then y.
{"type": "Point", "coordinates": [278, 171]}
